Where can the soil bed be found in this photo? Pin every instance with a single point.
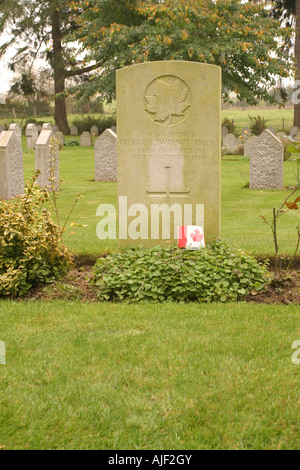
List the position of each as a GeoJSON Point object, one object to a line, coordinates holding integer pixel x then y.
{"type": "Point", "coordinates": [77, 286]}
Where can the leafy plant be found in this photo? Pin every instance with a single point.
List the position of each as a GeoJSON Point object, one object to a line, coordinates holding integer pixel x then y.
{"type": "Point", "coordinates": [31, 248]}
{"type": "Point", "coordinates": [258, 125]}
{"type": "Point", "coordinates": [216, 273]}
{"type": "Point", "coordinates": [72, 143]}
{"type": "Point", "coordinates": [103, 123]}
{"type": "Point", "coordinates": [285, 207]}
{"type": "Point", "coordinates": [229, 124]}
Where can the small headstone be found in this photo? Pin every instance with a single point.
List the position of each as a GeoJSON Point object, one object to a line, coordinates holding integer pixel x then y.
{"type": "Point", "coordinates": [55, 129]}
{"type": "Point", "coordinates": [106, 156]}
{"type": "Point", "coordinates": [294, 131]}
{"type": "Point", "coordinates": [17, 130]}
{"type": "Point", "coordinates": [74, 130]}
{"type": "Point", "coordinates": [224, 132]}
{"type": "Point", "coordinates": [94, 130]}
{"type": "Point", "coordinates": [31, 135]}
{"type": "Point", "coordinates": [47, 126]}
{"type": "Point", "coordinates": [247, 144]}
{"type": "Point", "coordinates": [11, 165]}
{"type": "Point", "coordinates": [266, 162]}
{"type": "Point", "coordinates": [114, 129]}
{"type": "Point", "coordinates": [281, 134]}
{"type": "Point", "coordinates": [297, 138]}
{"type": "Point", "coordinates": [47, 159]}
{"type": "Point", "coordinates": [272, 130]}
{"type": "Point", "coordinates": [85, 139]}
{"type": "Point", "coordinates": [246, 132]}
{"type": "Point", "coordinates": [230, 142]}
{"type": "Point", "coordinates": [60, 138]}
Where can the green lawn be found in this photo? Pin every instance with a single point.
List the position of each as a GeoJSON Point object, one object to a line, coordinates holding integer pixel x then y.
{"type": "Point", "coordinates": [149, 376]}
{"type": "Point", "coordinates": [280, 119]}
{"type": "Point", "coordinates": [241, 207]}
{"type": "Point", "coordinates": [105, 376]}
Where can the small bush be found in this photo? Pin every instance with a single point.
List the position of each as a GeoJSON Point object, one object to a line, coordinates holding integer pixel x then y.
{"type": "Point", "coordinates": [216, 273]}
{"type": "Point", "coordinates": [229, 124]}
{"type": "Point", "coordinates": [31, 249]}
{"type": "Point", "coordinates": [258, 125]}
{"type": "Point", "coordinates": [72, 143]}
{"type": "Point", "coordinates": [103, 123]}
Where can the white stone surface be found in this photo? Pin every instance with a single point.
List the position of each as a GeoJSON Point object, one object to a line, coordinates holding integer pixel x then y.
{"type": "Point", "coordinates": [266, 162]}
{"type": "Point", "coordinates": [106, 156]}
{"type": "Point", "coordinates": [230, 142]}
{"type": "Point", "coordinates": [47, 161]}
{"type": "Point", "coordinates": [31, 135]}
{"type": "Point", "coordinates": [85, 139]}
{"type": "Point", "coordinates": [11, 165]}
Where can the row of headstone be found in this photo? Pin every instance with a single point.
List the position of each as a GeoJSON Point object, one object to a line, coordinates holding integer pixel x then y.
{"type": "Point", "coordinates": [11, 160]}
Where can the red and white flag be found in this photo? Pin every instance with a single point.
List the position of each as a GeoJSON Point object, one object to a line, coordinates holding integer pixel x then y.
{"type": "Point", "coordinates": [191, 237]}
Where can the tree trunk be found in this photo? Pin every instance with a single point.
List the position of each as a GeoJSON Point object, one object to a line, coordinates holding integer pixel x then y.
{"type": "Point", "coordinates": [297, 58]}
{"type": "Point", "coordinates": [60, 114]}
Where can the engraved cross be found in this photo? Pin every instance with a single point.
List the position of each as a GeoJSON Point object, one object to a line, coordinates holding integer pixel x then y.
{"type": "Point", "coordinates": [168, 193]}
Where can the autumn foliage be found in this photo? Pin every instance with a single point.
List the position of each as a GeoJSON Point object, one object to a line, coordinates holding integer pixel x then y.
{"type": "Point", "coordinates": [240, 37]}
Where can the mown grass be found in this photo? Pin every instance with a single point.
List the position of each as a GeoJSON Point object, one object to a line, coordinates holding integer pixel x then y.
{"type": "Point", "coordinates": [148, 377]}
{"type": "Point", "coordinates": [241, 207]}
{"type": "Point", "coordinates": [280, 119]}
{"type": "Point", "coordinates": [105, 376]}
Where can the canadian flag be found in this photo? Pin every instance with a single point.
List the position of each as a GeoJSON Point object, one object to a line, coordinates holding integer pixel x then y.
{"type": "Point", "coordinates": [191, 237]}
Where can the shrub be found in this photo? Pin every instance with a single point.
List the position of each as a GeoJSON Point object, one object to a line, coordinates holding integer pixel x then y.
{"type": "Point", "coordinates": [103, 123]}
{"type": "Point", "coordinates": [72, 143]}
{"type": "Point", "coordinates": [258, 125]}
{"type": "Point", "coordinates": [31, 249]}
{"type": "Point", "coordinates": [229, 124]}
{"type": "Point", "coordinates": [216, 273]}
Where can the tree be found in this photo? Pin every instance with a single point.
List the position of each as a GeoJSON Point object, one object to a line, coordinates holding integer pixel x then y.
{"type": "Point", "coordinates": [41, 28]}
{"type": "Point", "coordinates": [238, 36]}
{"type": "Point", "coordinates": [35, 87]}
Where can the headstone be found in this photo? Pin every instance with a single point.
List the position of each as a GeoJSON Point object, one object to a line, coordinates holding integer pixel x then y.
{"type": "Point", "coordinates": [11, 165]}
{"type": "Point", "coordinates": [74, 130]}
{"type": "Point", "coordinates": [60, 138]}
{"type": "Point", "coordinates": [47, 126]}
{"type": "Point", "coordinates": [266, 162]}
{"type": "Point", "coordinates": [31, 135]}
{"type": "Point", "coordinates": [247, 144]}
{"type": "Point", "coordinates": [230, 142]}
{"type": "Point", "coordinates": [55, 129]}
{"type": "Point", "coordinates": [294, 131]}
{"type": "Point", "coordinates": [297, 138]}
{"type": "Point", "coordinates": [106, 156]}
{"type": "Point", "coordinates": [17, 130]}
{"type": "Point", "coordinates": [47, 160]}
{"type": "Point", "coordinates": [85, 139]}
{"type": "Point", "coordinates": [224, 132]}
{"type": "Point", "coordinates": [246, 132]}
{"type": "Point", "coordinates": [272, 130]}
{"type": "Point", "coordinates": [169, 145]}
{"type": "Point", "coordinates": [94, 130]}
{"type": "Point", "coordinates": [281, 134]}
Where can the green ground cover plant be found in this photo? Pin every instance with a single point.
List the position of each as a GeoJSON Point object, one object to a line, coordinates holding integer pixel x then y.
{"type": "Point", "coordinates": [216, 273]}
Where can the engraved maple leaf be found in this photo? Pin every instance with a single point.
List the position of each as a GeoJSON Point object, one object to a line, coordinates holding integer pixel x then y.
{"type": "Point", "coordinates": [168, 99]}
